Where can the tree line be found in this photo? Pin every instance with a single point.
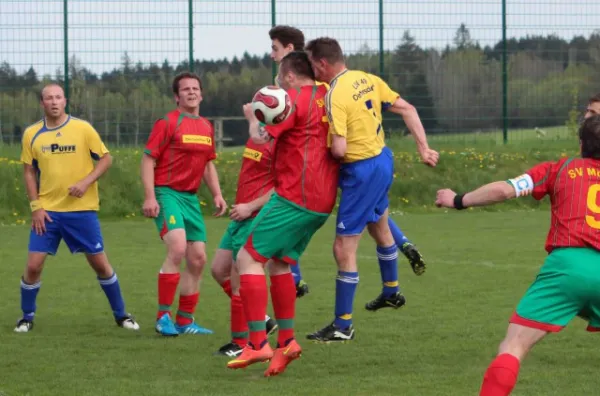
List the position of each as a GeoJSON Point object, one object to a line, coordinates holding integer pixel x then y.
{"type": "Point", "coordinates": [456, 89]}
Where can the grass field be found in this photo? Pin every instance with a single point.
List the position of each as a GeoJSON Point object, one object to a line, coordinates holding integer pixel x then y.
{"type": "Point", "coordinates": [439, 344]}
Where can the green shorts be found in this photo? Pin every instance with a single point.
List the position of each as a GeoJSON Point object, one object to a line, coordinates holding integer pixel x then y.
{"type": "Point", "coordinates": [179, 210]}
{"type": "Point", "coordinates": [282, 230]}
{"type": "Point", "coordinates": [567, 285]}
{"type": "Point", "coordinates": [235, 236]}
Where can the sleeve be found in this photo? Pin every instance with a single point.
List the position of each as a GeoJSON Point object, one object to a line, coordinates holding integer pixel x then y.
{"type": "Point", "coordinates": [536, 181]}
{"type": "Point", "coordinates": [95, 144]}
{"type": "Point", "coordinates": [213, 153]}
{"type": "Point", "coordinates": [336, 113]}
{"type": "Point", "coordinates": [387, 95]}
{"type": "Point", "coordinates": [158, 139]}
{"type": "Point", "coordinates": [277, 130]}
{"type": "Point", "coordinates": [26, 150]}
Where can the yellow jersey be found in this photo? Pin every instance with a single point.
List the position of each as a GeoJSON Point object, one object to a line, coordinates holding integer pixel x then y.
{"type": "Point", "coordinates": [354, 103]}
{"type": "Point", "coordinates": [63, 156]}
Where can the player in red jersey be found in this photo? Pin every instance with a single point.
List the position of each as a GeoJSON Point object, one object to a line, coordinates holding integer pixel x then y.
{"type": "Point", "coordinates": [254, 188]}
{"type": "Point", "coordinates": [177, 157]}
{"type": "Point", "coordinates": [569, 281]}
{"type": "Point", "coordinates": [306, 177]}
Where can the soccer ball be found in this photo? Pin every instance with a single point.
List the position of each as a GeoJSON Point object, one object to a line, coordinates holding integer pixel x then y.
{"type": "Point", "coordinates": [271, 105]}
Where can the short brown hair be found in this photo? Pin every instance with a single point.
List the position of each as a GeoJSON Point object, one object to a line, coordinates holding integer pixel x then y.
{"type": "Point", "coordinates": [287, 35]}
{"type": "Point", "coordinates": [595, 98]}
{"type": "Point", "coordinates": [183, 75]}
{"type": "Point", "coordinates": [298, 63]}
{"type": "Point", "coordinates": [589, 135]}
{"type": "Point", "coordinates": [326, 48]}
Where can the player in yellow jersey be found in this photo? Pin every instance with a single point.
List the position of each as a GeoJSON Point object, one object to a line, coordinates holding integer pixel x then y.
{"type": "Point", "coordinates": [355, 103]}
{"type": "Point", "coordinates": [58, 156]}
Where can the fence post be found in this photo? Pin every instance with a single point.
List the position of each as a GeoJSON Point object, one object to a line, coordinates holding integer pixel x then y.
{"type": "Point", "coordinates": [504, 76]}
{"type": "Point", "coordinates": [273, 23]}
{"type": "Point", "coordinates": [191, 33]}
{"type": "Point", "coordinates": [381, 54]}
{"type": "Point", "coordinates": [66, 48]}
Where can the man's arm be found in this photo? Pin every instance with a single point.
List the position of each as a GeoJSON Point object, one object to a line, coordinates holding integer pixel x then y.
{"type": "Point", "coordinates": [338, 146]}
{"type": "Point", "coordinates": [338, 124]}
{"type": "Point", "coordinates": [30, 177]}
{"type": "Point", "coordinates": [258, 133]}
{"type": "Point", "coordinates": [78, 189]}
{"type": "Point", "coordinates": [412, 120]}
{"type": "Point", "coordinates": [243, 211]}
{"type": "Point", "coordinates": [211, 178]}
{"type": "Point", "coordinates": [147, 175]}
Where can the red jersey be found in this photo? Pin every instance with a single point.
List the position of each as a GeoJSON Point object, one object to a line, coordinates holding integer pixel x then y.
{"type": "Point", "coordinates": [305, 171]}
{"type": "Point", "coordinates": [573, 185]}
{"type": "Point", "coordinates": [182, 145]}
{"type": "Point", "coordinates": [256, 175]}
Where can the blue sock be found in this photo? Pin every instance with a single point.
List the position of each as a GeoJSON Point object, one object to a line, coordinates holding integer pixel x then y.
{"type": "Point", "coordinates": [397, 233]}
{"type": "Point", "coordinates": [28, 296]}
{"type": "Point", "coordinates": [388, 265]}
{"type": "Point", "coordinates": [296, 272]}
{"type": "Point", "coordinates": [345, 288]}
{"type": "Point", "coordinates": [113, 293]}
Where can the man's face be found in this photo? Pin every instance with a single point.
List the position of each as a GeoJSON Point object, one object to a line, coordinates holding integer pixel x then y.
{"type": "Point", "coordinates": [319, 66]}
{"type": "Point", "coordinates": [278, 51]}
{"type": "Point", "coordinates": [592, 110]}
{"type": "Point", "coordinates": [53, 101]}
{"type": "Point", "coordinates": [189, 95]}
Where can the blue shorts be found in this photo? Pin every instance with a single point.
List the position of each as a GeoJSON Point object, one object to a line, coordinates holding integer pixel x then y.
{"type": "Point", "coordinates": [80, 231]}
{"type": "Point", "coordinates": [365, 185]}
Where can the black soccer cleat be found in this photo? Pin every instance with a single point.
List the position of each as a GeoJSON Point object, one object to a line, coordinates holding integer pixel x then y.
{"type": "Point", "coordinates": [271, 326]}
{"type": "Point", "coordinates": [394, 301]}
{"type": "Point", "coordinates": [231, 350]}
{"type": "Point", "coordinates": [415, 259]}
{"type": "Point", "coordinates": [301, 289]}
{"type": "Point", "coordinates": [24, 326]}
{"type": "Point", "coordinates": [332, 333]}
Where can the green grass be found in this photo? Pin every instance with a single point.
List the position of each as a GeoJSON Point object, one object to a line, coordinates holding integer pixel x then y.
{"type": "Point", "coordinates": [479, 264]}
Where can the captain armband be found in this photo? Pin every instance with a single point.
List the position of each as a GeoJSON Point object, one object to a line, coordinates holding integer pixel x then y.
{"type": "Point", "coordinates": [523, 185]}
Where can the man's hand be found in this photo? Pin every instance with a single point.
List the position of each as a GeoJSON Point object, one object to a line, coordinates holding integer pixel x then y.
{"type": "Point", "coordinates": [151, 208]}
{"type": "Point", "coordinates": [240, 212]}
{"type": "Point", "coordinates": [445, 198]}
{"type": "Point", "coordinates": [429, 157]}
{"type": "Point", "coordinates": [249, 112]}
{"type": "Point", "coordinates": [38, 221]}
{"type": "Point", "coordinates": [79, 188]}
{"type": "Point", "coordinates": [220, 205]}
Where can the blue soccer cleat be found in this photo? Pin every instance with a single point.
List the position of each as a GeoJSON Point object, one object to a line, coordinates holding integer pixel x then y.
{"type": "Point", "coordinates": [192, 328]}
{"type": "Point", "coordinates": [166, 327]}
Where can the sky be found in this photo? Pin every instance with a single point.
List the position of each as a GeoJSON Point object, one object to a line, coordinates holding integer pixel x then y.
{"type": "Point", "coordinates": [31, 32]}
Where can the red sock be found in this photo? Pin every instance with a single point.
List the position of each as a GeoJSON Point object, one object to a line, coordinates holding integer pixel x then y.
{"type": "Point", "coordinates": [239, 326]}
{"type": "Point", "coordinates": [283, 296]}
{"type": "Point", "coordinates": [187, 306]}
{"type": "Point", "coordinates": [167, 287]}
{"type": "Point", "coordinates": [227, 287]}
{"type": "Point", "coordinates": [253, 291]}
{"type": "Point", "coordinates": [501, 376]}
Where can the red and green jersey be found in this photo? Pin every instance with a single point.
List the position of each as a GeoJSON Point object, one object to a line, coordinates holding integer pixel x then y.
{"type": "Point", "coordinates": [305, 171]}
{"type": "Point", "coordinates": [256, 175]}
{"type": "Point", "coordinates": [182, 145]}
{"type": "Point", "coordinates": [573, 185]}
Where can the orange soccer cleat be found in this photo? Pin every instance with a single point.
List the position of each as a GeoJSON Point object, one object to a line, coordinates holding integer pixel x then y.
{"type": "Point", "coordinates": [250, 356]}
{"type": "Point", "coordinates": [282, 357]}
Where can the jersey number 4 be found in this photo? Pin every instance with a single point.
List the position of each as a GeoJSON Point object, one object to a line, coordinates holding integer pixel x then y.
{"type": "Point", "coordinates": [369, 104]}
{"type": "Point", "coordinates": [592, 199]}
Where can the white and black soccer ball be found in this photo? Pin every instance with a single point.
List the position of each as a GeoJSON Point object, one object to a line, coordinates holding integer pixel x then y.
{"type": "Point", "coordinates": [271, 105]}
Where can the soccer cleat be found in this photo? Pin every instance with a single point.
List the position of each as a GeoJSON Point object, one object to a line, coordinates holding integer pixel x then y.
{"type": "Point", "coordinates": [127, 322]}
{"type": "Point", "coordinates": [192, 328]}
{"type": "Point", "coordinates": [166, 327]}
{"type": "Point", "coordinates": [394, 301]}
{"type": "Point", "coordinates": [332, 333]}
{"type": "Point", "coordinates": [282, 357]}
{"type": "Point", "coordinates": [250, 356]}
{"type": "Point", "coordinates": [231, 349]}
{"type": "Point", "coordinates": [24, 326]}
{"type": "Point", "coordinates": [301, 289]}
{"type": "Point", "coordinates": [271, 326]}
{"type": "Point", "coordinates": [415, 259]}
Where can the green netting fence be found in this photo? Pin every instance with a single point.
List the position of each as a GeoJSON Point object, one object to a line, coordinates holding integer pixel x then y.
{"type": "Point", "coordinates": [477, 70]}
